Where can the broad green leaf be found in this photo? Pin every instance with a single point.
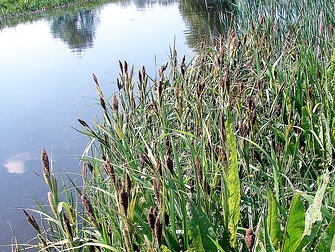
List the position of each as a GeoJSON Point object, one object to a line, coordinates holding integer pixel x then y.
{"type": "Point", "coordinates": [201, 231]}
{"type": "Point", "coordinates": [327, 239]}
{"type": "Point", "coordinates": [295, 225]}
{"type": "Point", "coordinates": [273, 221]}
{"type": "Point", "coordinates": [233, 181]}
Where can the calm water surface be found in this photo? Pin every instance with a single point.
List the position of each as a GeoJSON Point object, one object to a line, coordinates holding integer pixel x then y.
{"type": "Point", "coordinates": [46, 83]}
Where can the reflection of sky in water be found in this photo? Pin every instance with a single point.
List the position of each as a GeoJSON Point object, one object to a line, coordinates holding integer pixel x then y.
{"type": "Point", "coordinates": [16, 163]}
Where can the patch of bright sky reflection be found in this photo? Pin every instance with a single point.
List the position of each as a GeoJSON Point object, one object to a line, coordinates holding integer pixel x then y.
{"type": "Point", "coordinates": [16, 164]}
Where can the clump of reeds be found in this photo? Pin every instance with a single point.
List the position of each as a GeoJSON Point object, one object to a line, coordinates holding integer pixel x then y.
{"type": "Point", "coordinates": [217, 144]}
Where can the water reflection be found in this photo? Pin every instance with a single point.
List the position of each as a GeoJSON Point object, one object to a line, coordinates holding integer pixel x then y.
{"type": "Point", "coordinates": [205, 19]}
{"type": "Point", "coordinates": [16, 164]}
{"type": "Point", "coordinates": [77, 30]}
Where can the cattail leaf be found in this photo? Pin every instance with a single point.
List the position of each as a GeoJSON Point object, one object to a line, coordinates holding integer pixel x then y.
{"type": "Point", "coordinates": [295, 225]}
{"type": "Point", "coordinates": [200, 229]}
{"type": "Point", "coordinates": [273, 220]}
{"type": "Point", "coordinates": [327, 239]}
{"type": "Point", "coordinates": [313, 215]}
{"type": "Point", "coordinates": [233, 181]}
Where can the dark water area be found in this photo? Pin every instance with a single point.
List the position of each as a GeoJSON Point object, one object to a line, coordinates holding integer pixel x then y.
{"type": "Point", "coordinates": [46, 66]}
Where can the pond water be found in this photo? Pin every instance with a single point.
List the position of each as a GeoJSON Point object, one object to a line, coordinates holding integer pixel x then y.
{"type": "Point", "coordinates": [46, 68]}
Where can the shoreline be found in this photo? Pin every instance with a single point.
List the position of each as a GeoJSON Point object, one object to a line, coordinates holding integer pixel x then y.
{"type": "Point", "coordinates": [4, 18]}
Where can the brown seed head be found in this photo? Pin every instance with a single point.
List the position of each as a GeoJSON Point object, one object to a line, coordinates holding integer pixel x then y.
{"type": "Point", "coordinates": [176, 92]}
{"type": "Point", "coordinates": [115, 104]}
{"type": "Point", "coordinates": [82, 122]}
{"type": "Point", "coordinates": [158, 230]}
{"type": "Point", "coordinates": [87, 205]}
{"type": "Point", "coordinates": [144, 158]}
{"type": "Point", "coordinates": [67, 225]}
{"type": "Point", "coordinates": [89, 166]}
{"type": "Point", "coordinates": [159, 167]}
{"type": "Point", "coordinates": [95, 79]}
{"type": "Point", "coordinates": [126, 68]}
{"type": "Point", "coordinates": [123, 201]}
{"type": "Point", "coordinates": [169, 163]}
{"type": "Point", "coordinates": [182, 60]}
{"type": "Point", "coordinates": [32, 221]}
{"type": "Point", "coordinates": [103, 104]}
{"type": "Point", "coordinates": [45, 162]}
{"type": "Point", "coordinates": [46, 168]}
{"type": "Point", "coordinates": [151, 218]}
{"type": "Point", "coordinates": [249, 239]}
{"type": "Point", "coordinates": [128, 184]}
{"type": "Point", "coordinates": [140, 76]}
{"type": "Point", "coordinates": [121, 67]}
{"type": "Point", "coordinates": [110, 171]}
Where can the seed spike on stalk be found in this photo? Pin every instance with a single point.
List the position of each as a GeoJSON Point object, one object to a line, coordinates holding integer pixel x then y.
{"type": "Point", "coordinates": [158, 230]}
{"type": "Point", "coordinates": [89, 166]}
{"type": "Point", "coordinates": [128, 184]}
{"type": "Point", "coordinates": [249, 239]}
{"type": "Point", "coordinates": [115, 104]}
{"type": "Point", "coordinates": [151, 218]}
{"type": "Point", "coordinates": [169, 163]}
{"type": "Point", "coordinates": [67, 225]}
{"type": "Point", "coordinates": [121, 67]}
{"type": "Point", "coordinates": [123, 201]}
{"type": "Point", "coordinates": [32, 221]}
{"type": "Point", "coordinates": [182, 61]}
{"type": "Point", "coordinates": [140, 77]}
{"type": "Point", "coordinates": [52, 203]}
{"type": "Point", "coordinates": [46, 168]}
{"type": "Point", "coordinates": [126, 68]}
{"type": "Point", "coordinates": [110, 171]}
{"type": "Point", "coordinates": [45, 162]}
{"type": "Point", "coordinates": [131, 72]}
{"type": "Point", "coordinates": [95, 80]}
{"type": "Point", "coordinates": [88, 207]}
{"type": "Point", "coordinates": [82, 122]}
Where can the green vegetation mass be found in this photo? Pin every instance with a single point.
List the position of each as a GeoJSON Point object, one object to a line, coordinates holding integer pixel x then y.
{"type": "Point", "coordinates": [231, 151]}
{"type": "Point", "coordinates": [18, 8]}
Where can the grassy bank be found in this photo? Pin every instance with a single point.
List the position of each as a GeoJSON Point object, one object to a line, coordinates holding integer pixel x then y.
{"type": "Point", "coordinates": [17, 8]}
{"type": "Point", "coordinates": [230, 151]}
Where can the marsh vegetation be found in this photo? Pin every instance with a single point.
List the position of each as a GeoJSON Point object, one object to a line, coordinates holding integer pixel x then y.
{"type": "Point", "coordinates": [230, 151]}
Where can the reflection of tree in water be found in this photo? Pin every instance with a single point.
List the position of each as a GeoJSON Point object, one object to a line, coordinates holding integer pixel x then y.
{"type": "Point", "coordinates": [77, 29]}
{"type": "Point", "coordinates": [205, 19]}
{"type": "Point", "coordinates": [145, 4]}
